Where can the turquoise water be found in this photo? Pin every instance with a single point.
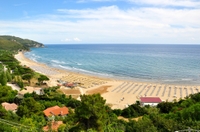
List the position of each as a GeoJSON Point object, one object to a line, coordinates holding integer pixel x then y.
{"type": "Point", "coordinates": [176, 64]}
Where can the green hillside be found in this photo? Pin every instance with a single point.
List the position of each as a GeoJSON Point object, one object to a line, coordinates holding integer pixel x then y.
{"type": "Point", "coordinates": [15, 43]}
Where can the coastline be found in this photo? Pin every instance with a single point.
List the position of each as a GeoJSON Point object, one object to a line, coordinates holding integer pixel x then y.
{"type": "Point", "coordinates": [113, 90]}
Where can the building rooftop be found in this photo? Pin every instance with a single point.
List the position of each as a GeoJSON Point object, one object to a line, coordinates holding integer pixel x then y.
{"type": "Point", "coordinates": [150, 99]}
{"type": "Point", "coordinates": [54, 126]}
{"type": "Point", "coordinates": [8, 106]}
{"type": "Point", "coordinates": [56, 110]}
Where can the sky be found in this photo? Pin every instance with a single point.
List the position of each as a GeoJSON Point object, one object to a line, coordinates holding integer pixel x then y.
{"type": "Point", "coordinates": [102, 21]}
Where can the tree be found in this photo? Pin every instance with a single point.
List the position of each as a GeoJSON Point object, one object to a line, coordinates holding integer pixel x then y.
{"type": "Point", "coordinates": [62, 128]}
{"type": "Point", "coordinates": [133, 110]}
{"type": "Point", "coordinates": [3, 78]}
{"type": "Point", "coordinates": [19, 81]}
{"type": "Point", "coordinates": [3, 112]}
{"type": "Point", "coordinates": [92, 113]}
{"type": "Point", "coordinates": [29, 107]}
{"type": "Point", "coordinates": [7, 94]}
{"type": "Point", "coordinates": [35, 123]}
{"type": "Point", "coordinates": [192, 112]}
{"type": "Point", "coordinates": [187, 103]}
{"type": "Point", "coordinates": [117, 112]}
{"type": "Point", "coordinates": [195, 97]}
{"type": "Point", "coordinates": [162, 124]}
{"type": "Point", "coordinates": [8, 75]}
{"type": "Point", "coordinates": [145, 125]}
{"type": "Point", "coordinates": [165, 107]}
{"type": "Point", "coordinates": [16, 71]}
{"type": "Point", "coordinates": [27, 77]}
{"type": "Point", "coordinates": [42, 78]}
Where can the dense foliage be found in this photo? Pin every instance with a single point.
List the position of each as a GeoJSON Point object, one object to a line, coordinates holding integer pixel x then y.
{"type": "Point", "coordinates": [10, 45]}
{"type": "Point", "coordinates": [13, 43]}
{"type": "Point", "coordinates": [7, 94]}
{"type": "Point", "coordinates": [91, 113]}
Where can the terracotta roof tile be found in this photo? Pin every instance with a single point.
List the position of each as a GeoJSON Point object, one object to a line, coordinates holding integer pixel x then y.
{"type": "Point", "coordinates": [54, 126]}
{"type": "Point", "coordinates": [56, 110]}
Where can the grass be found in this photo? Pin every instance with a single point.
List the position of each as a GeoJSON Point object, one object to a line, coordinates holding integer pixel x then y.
{"type": "Point", "coordinates": [127, 119]}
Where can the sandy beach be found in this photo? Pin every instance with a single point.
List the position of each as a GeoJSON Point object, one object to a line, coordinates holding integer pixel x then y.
{"type": "Point", "coordinates": [118, 93]}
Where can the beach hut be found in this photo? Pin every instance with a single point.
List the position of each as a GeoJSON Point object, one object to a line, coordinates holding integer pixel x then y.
{"type": "Point", "coordinates": [152, 101]}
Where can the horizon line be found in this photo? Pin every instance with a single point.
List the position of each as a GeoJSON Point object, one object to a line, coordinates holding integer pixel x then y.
{"type": "Point", "coordinates": [117, 44]}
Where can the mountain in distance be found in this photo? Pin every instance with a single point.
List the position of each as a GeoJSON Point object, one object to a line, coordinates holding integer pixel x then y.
{"type": "Point", "coordinates": [15, 43]}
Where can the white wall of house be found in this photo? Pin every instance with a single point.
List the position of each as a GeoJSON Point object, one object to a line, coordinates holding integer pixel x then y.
{"type": "Point", "coordinates": [39, 91]}
{"type": "Point", "coordinates": [150, 104]}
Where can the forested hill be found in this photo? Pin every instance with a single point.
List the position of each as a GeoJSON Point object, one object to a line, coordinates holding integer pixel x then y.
{"type": "Point", "coordinates": [15, 43]}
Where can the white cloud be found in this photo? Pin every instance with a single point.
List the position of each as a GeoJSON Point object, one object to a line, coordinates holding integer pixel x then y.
{"type": "Point", "coordinates": [71, 40]}
{"type": "Point", "coordinates": [76, 39]}
{"type": "Point", "coordinates": [183, 3]}
{"type": "Point", "coordinates": [66, 40]}
{"type": "Point", "coordinates": [81, 1]}
{"type": "Point", "coordinates": [110, 24]}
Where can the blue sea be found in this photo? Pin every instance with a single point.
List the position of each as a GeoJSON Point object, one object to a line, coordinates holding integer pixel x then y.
{"type": "Point", "coordinates": [169, 64]}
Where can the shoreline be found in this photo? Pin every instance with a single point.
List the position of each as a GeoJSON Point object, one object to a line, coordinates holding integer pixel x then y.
{"type": "Point", "coordinates": [166, 81]}
{"type": "Point", "coordinates": [112, 89]}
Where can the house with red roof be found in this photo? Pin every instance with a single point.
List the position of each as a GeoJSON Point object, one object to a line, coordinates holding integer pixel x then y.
{"type": "Point", "coordinates": [152, 101]}
{"type": "Point", "coordinates": [10, 106]}
{"type": "Point", "coordinates": [53, 126]}
{"type": "Point", "coordinates": [56, 111]}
